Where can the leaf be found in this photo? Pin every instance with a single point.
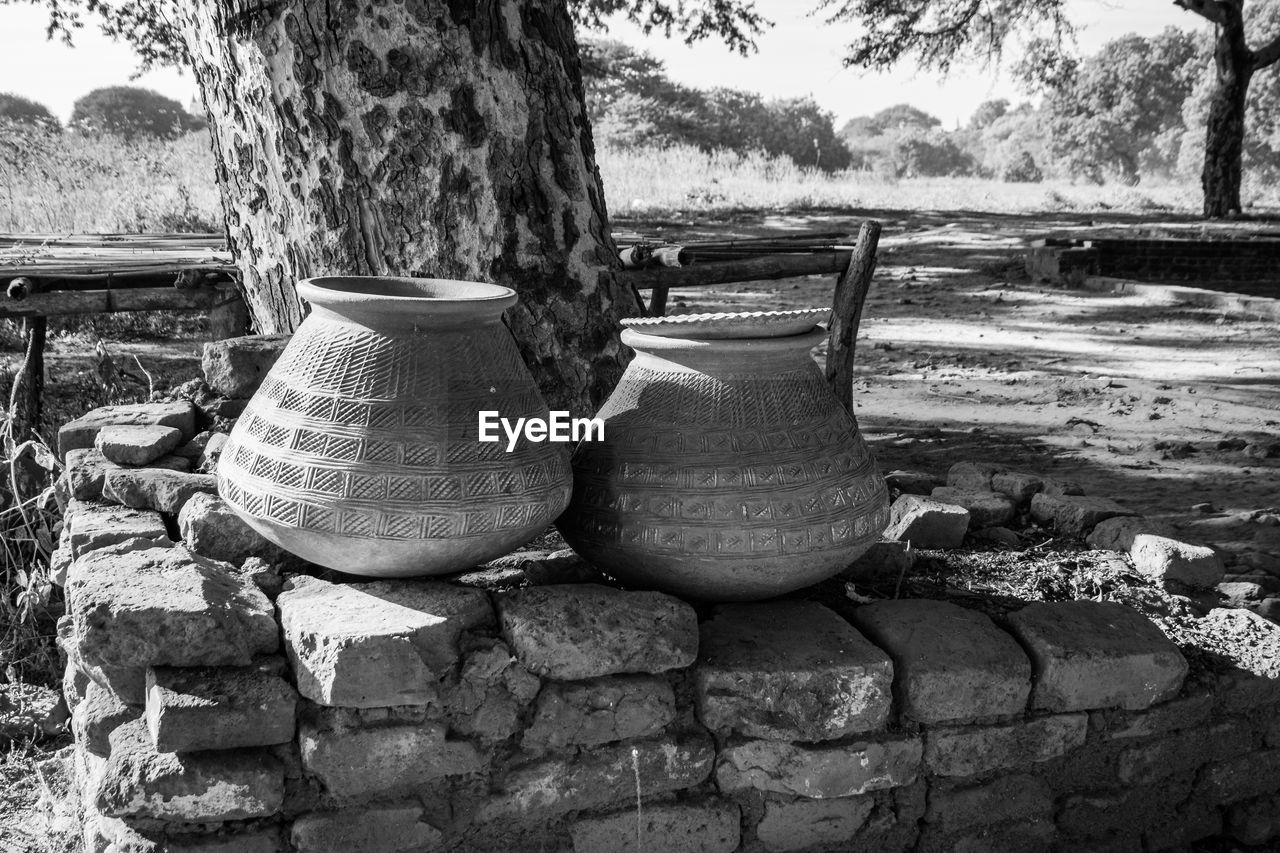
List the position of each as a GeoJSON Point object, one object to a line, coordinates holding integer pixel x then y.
{"type": "Point", "coordinates": [21, 577]}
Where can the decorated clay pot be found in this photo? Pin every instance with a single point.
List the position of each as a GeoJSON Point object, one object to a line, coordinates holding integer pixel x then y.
{"type": "Point", "coordinates": [728, 469]}
{"type": "Point", "coordinates": [361, 449]}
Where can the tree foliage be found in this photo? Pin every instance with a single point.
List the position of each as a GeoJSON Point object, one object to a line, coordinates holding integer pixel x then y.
{"type": "Point", "coordinates": [1121, 116]}
{"type": "Point", "coordinates": [131, 111]}
{"type": "Point", "coordinates": [20, 110]}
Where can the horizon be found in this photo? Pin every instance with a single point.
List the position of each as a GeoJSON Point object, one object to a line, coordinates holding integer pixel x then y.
{"type": "Point", "coordinates": [798, 57]}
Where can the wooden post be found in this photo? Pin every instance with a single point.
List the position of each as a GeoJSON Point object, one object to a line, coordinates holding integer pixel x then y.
{"type": "Point", "coordinates": [229, 319]}
{"type": "Point", "coordinates": [658, 302]}
{"type": "Point", "coordinates": [846, 312]}
{"type": "Point", "coordinates": [26, 395]}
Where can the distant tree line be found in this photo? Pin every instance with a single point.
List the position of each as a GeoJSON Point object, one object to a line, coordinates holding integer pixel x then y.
{"type": "Point", "coordinates": [126, 111]}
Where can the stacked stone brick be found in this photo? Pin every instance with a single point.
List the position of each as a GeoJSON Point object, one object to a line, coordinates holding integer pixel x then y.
{"type": "Point", "coordinates": [222, 705]}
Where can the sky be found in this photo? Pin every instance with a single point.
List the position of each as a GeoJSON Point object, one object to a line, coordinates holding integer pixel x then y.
{"type": "Point", "coordinates": [800, 56]}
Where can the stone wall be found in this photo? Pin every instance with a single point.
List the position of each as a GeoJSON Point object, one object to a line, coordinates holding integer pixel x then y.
{"type": "Point", "coordinates": [227, 699]}
{"type": "Point", "coordinates": [1239, 266]}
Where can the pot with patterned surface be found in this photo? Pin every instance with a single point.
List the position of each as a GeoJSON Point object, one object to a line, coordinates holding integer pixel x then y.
{"type": "Point", "coordinates": [361, 449]}
{"type": "Point", "coordinates": [728, 469]}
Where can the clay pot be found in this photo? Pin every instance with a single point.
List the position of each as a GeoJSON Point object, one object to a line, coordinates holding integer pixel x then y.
{"type": "Point", "coordinates": [728, 469]}
{"type": "Point", "coordinates": [361, 449]}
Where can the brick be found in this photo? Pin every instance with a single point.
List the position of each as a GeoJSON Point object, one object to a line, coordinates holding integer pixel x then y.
{"type": "Point", "coordinates": [1163, 558]}
{"type": "Point", "coordinates": [950, 663]}
{"type": "Point", "coordinates": [820, 771]}
{"type": "Point", "coordinates": [1251, 775]}
{"type": "Point", "coordinates": [986, 509]}
{"type": "Point", "coordinates": [1017, 485]}
{"type": "Point", "coordinates": [1184, 752]}
{"type": "Point", "coordinates": [87, 471]}
{"type": "Point", "coordinates": [83, 431]}
{"type": "Point", "coordinates": [1010, 797]}
{"type": "Point", "coordinates": [1035, 836]}
{"type": "Point", "coordinates": [601, 776]}
{"type": "Point", "coordinates": [381, 829]}
{"type": "Point", "coordinates": [710, 827]}
{"type": "Point", "coordinates": [1092, 654]}
{"type": "Point", "coordinates": [804, 824]}
{"type": "Point", "coordinates": [164, 606]}
{"type": "Point", "coordinates": [137, 444]}
{"type": "Point", "coordinates": [790, 670]}
{"type": "Point", "coordinates": [363, 764]}
{"type": "Point", "coordinates": [1074, 515]}
{"type": "Point", "coordinates": [1176, 714]}
{"type": "Point", "coordinates": [100, 714]}
{"type": "Point", "coordinates": [976, 750]}
{"type": "Point", "coordinates": [927, 523]}
{"type": "Point", "coordinates": [92, 527]}
{"type": "Point", "coordinates": [128, 682]}
{"type": "Point", "coordinates": [202, 708]}
{"type": "Point", "coordinates": [489, 698]}
{"type": "Point", "coordinates": [601, 710]}
{"type": "Point", "coordinates": [1254, 822]}
{"type": "Point", "coordinates": [155, 488]}
{"type": "Point", "coordinates": [375, 644]}
{"type": "Point", "coordinates": [972, 476]}
{"type": "Point", "coordinates": [197, 787]}
{"type": "Point", "coordinates": [235, 367]}
{"type": "Point", "coordinates": [576, 631]}
{"type": "Point", "coordinates": [210, 527]}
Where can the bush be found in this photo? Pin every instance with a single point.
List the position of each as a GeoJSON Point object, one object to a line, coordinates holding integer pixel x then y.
{"type": "Point", "coordinates": [20, 110]}
{"type": "Point", "coordinates": [129, 111]}
{"type": "Point", "coordinates": [1023, 170]}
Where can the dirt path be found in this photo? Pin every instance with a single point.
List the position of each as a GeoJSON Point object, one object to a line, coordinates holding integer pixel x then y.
{"type": "Point", "coordinates": [1162, 406]}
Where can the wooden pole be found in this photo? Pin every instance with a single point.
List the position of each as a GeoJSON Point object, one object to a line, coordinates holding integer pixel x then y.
{"type": "Point", "coordinates": [846, 312]}
{"type": "Point", "coordinates": [658, 301]}
{"type": "Point", "coordinates": [751, 269]}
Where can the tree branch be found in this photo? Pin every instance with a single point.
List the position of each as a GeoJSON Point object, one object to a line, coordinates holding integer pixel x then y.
{"type": "Point", "coordinates": [1210, 10]}
{"type": "Point", "coordinates": [1266, 55]}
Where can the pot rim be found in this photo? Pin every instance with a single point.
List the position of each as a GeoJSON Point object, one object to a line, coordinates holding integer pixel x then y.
{"type": "Point", "coordinates": [642, 342]}
{"type": "Point", "coordinates": [405, 295]}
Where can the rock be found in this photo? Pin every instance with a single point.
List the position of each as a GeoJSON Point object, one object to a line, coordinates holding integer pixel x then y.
{"type": "Point", "coordinates": [92, 527]}
{"type": "Point", "coordinates": [225, 408]}
{"type": "Point", "coordinates": [165, 606]}
{"type": "Point", "coordinates": [972, 476]}
{"type": "Point", "coordinates": [986, 509]}
{"type": "Point", "coordinates": [155, 488]}
{"type": "Point", "coordinates": [208, 462]}
{"type": "Point", "coordinates": [582, 631]}
{"type": "Point", "coordinates": [1091, 655]}
{"type": "Point", "coordinates": [192, 449]}
{"type": "Point", "coordinates": [976, 750]}
{"type": "Point", "coordinates": [75, 684]}
{"type": "Point", "coordinates": [884, 559]}
{"type": "Point", "coordinates": [950, 663]}
{"type": "Point", "coordinates": [819, 772]}
{"type": "Point", "coordinates": [1255, 822]}
{"type": "Point", "coordinates": [379, 829]}
{"type": "Point", "coordinates": [600, 776]}
{"type": "Point", "coordinates": [492, 692]}
{"type": "Point", "coordinates": [999, 536]}
{"type": "Point", "coordinates": [927, 523]}
{"type": "Point", "coordinates": [1166, 559]}
{"type": "Point", "coordinates": [1020, 797]}
{"type": "Point", "coordinates": [87, 471]}
{"type": "Point", "coordinates": [601, 710]}
{"type": "Point", "coordinates": [711, 827]}
{"type": "Point", "coordinates": [196, 787]}
{"type": "Point", "coordinates": [909, 482]}
{"type": "Point", "coordinates": [1240, 593]}
{"type": "Point", "coordinates": [235, 367]}
{"type": "Point", "coordinates": [562, 567]}
{"type": "Point", "coordinates": [375, 644]}
{"type": "Point", "coordinates": [1059, 488]}
{"type": "Point", "coordinates": [211, 528]}
{"type": "Point", "coordinates": [806, 824]}
{"type": "Point", "coordinates": [791, 670]}
{"type": "Point", "coordinates": [1017, 485]}
{"type": "Point", "coordinates": [138, 444]}
{"type": "Point", "coordinates": [1074, 515]}
{"type": "Point", "coordinates": [60, 561]}
{"type": "Point", "coordinates": [1269, 563]}
{"type": "Point", "coordinates": [83, 431]}
{"type": "Point", "coordinates": [127, 682]}
{"type": "Point", "coordinates": [29, 712]}
{"type": "Point", "coordinates": [193, 709]}
{"type": "Point", "coordinates": [1117, 534]}
{"type": "Point", "coordinates": [1268, 608]}
{"type": "Point", "coordinates": [377, 762]}
{"type": "Point", "coordinates": [100, 714]}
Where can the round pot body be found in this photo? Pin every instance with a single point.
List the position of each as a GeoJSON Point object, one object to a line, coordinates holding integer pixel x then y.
{"type": "Point", "coordinates": [361, 450]}
{"type": "Point", "coordinates": [728, 471]}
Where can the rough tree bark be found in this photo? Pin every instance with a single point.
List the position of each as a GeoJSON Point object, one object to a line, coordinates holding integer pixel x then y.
{"type": "Point", "coordinates": [443, 138]}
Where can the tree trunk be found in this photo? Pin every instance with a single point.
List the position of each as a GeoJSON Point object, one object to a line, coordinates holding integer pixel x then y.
{"type": "Point", "coordinates": [1224, 140]}
{"type": "Point", "coordinates": [441, 138]}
